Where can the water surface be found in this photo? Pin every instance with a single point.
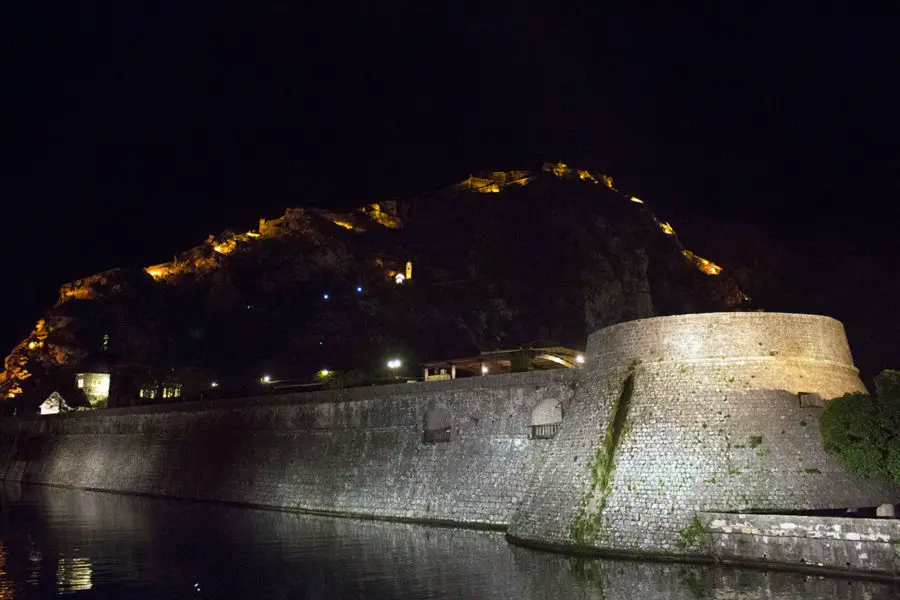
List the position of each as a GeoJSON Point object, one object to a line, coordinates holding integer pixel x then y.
{"type": "Point", "coordinates": [81, 544]}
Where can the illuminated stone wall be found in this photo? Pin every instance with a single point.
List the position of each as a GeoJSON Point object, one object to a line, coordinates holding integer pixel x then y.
{"type": "Point", "coordinates": [670, 418]}
{"type": "Point", "coordinates": [358, 451]}
{"type": "Point", "coordinates": [850, 544]}
{"type": "Point", "coordinates": [675, 415]}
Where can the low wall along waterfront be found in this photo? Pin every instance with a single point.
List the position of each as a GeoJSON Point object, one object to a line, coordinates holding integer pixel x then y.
{"type": "Point", "coordinates": [354, 452]}
{"type": "Point", "coordinates": [809, 542]}
{"type": "Point", "coordinates": [670, 419]}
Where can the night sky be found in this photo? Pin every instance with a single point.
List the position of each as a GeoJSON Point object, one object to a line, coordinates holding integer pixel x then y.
{"type": "Point", "coordinates": [135, 129]}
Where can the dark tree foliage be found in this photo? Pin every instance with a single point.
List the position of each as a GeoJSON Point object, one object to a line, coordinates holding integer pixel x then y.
{"type": "Point", "coordinates": [864, 431]}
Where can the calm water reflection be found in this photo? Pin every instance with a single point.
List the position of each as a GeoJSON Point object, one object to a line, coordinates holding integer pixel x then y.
{"type": "Point", "coordinates": [92, 545]}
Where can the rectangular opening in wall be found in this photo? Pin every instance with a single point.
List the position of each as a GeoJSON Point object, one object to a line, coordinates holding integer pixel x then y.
{"type": "Point", "coordinates": [436, 436]}
{"type": "Point", "coordinates": [545, 431]}
{"type": "Point", "coordinates": [810, 400]}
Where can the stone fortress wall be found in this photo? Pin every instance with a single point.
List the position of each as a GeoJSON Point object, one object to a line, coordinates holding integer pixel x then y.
{"type": "Point", "coordinates": [356, 452]}
{"type": "Point", "coordinates": [670, 420]}
{"type": "Point", "coordinates": [675, 416]}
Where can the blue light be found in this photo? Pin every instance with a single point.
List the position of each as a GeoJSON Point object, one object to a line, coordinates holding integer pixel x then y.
{"type": "Point", "coordinates": [325, 296]}
{"type": "Point", "coordinates": [359, 289]}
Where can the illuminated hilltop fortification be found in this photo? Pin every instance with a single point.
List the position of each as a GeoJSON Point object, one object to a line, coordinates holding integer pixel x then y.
{"type": "Point", "coordinates": [625, 262]}
{"type": "Point", "coordinates": [206, 257]}
{"type": "Point", "coordinates": [492, 183]}
{"type": "Point", "coordinates": [199, 259]}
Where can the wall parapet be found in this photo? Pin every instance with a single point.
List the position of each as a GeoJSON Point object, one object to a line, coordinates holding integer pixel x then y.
{"type": "Point", "coordinates": [723, 336]}
{"type": "Point", "coordinates": [490, 382]}
{"type": "Point", "coordinates": [808, 542]}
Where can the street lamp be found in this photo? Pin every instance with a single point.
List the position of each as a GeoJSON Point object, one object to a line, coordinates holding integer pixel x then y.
{"type": "Point", "coordinates": [393, 365]}
{"type": "Point", "coordinates": [265, 379]}
{"type": "Point", "coordinates": [580, 359]}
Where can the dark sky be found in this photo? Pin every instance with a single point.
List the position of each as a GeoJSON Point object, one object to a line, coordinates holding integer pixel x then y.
{"type": "Point", "coordinates": [134, 129]}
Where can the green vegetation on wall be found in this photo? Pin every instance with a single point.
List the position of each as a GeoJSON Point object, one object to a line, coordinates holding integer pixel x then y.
{"type": "Point", "coordinates": [690, 535]}
{"type": "Point", "coordinates": [586, 522]}
{"type": "Point", "coordinates": [864, 431]}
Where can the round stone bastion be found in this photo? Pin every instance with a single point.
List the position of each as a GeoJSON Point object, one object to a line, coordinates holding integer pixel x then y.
{"type": "Point", "coordinates": [674, 416]}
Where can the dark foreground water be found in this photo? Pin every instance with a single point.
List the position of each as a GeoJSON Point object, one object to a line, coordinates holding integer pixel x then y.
{"type": "Point", "coordinates": [92, 545]}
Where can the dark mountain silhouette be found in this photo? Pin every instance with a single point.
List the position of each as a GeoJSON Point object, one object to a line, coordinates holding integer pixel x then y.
{"type": "Point", "coordinates": [493, 262]}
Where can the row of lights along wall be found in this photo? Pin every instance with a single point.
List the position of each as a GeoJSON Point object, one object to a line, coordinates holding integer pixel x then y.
{"type": "Point", "coordinates": [393, 364]}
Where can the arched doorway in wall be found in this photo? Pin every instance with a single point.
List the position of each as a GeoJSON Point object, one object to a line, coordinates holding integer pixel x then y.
{"type": "Point", "coordinates": [545, 419]}
{"type": "Point", "coordinates": [438, 424]}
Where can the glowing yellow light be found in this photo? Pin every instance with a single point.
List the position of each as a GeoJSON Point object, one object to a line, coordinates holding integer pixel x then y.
{"type": "Point", "coordinates": [225, 247]}
{"type": "Point", "coordinates": [32, 345]}
{"type": "Point", "coordinates": [637, 200]}
{"type": "Point", "coordinates": [324, 372]}
{"type": "Point", "coordinates": [265, 379]}
{"type": "Point", "coordinates": [343, 224]}
{"type": "Point", "coordinates": [95, 386]}
{"type": "Point", "coordinates": [157, 271]}
{"type": "Point", "coordinates": [374, 212]}
{"type": "Point", "coordinates": [560, 169]}
{"type": "Point", "coordinates": [102, 384]}
{"type": "Point", "coordinates": [252, 234]}
{"type": "Point", "coordinates": [708, 267]}
{"type": "Point", "coordinates": [666, 228]}
{"type": "Point", "coordinates": [580, 359]}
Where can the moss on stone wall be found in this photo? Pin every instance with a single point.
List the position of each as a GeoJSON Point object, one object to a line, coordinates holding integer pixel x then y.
{"type": "Point", "coordinates": [586, 524]}
{"type": "Point", "coordinates": [690, 535]}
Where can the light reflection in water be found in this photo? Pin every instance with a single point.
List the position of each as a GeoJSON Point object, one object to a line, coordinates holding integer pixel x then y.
{"type": "Point", "coordinates": [34, 567]}
{"type": "Point", "coordinates": [93, 545]}
{"type": "Point", "coordinates": [73, 574]}
{"type": "Point", "coordinates": [7, 591]}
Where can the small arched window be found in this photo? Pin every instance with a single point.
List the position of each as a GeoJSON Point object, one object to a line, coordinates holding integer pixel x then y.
{"type": "Point", "coordinates": [438, 425]}
{"type": "Point", "coordinates": [545, 419]}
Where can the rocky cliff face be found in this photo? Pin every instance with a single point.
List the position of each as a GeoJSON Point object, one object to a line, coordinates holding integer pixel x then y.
{"type": "Point", "coordinates": [493, 262]}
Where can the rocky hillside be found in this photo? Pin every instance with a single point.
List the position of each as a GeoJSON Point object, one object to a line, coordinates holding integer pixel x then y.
{"type": "Point", "coordinates": [496, 261]}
